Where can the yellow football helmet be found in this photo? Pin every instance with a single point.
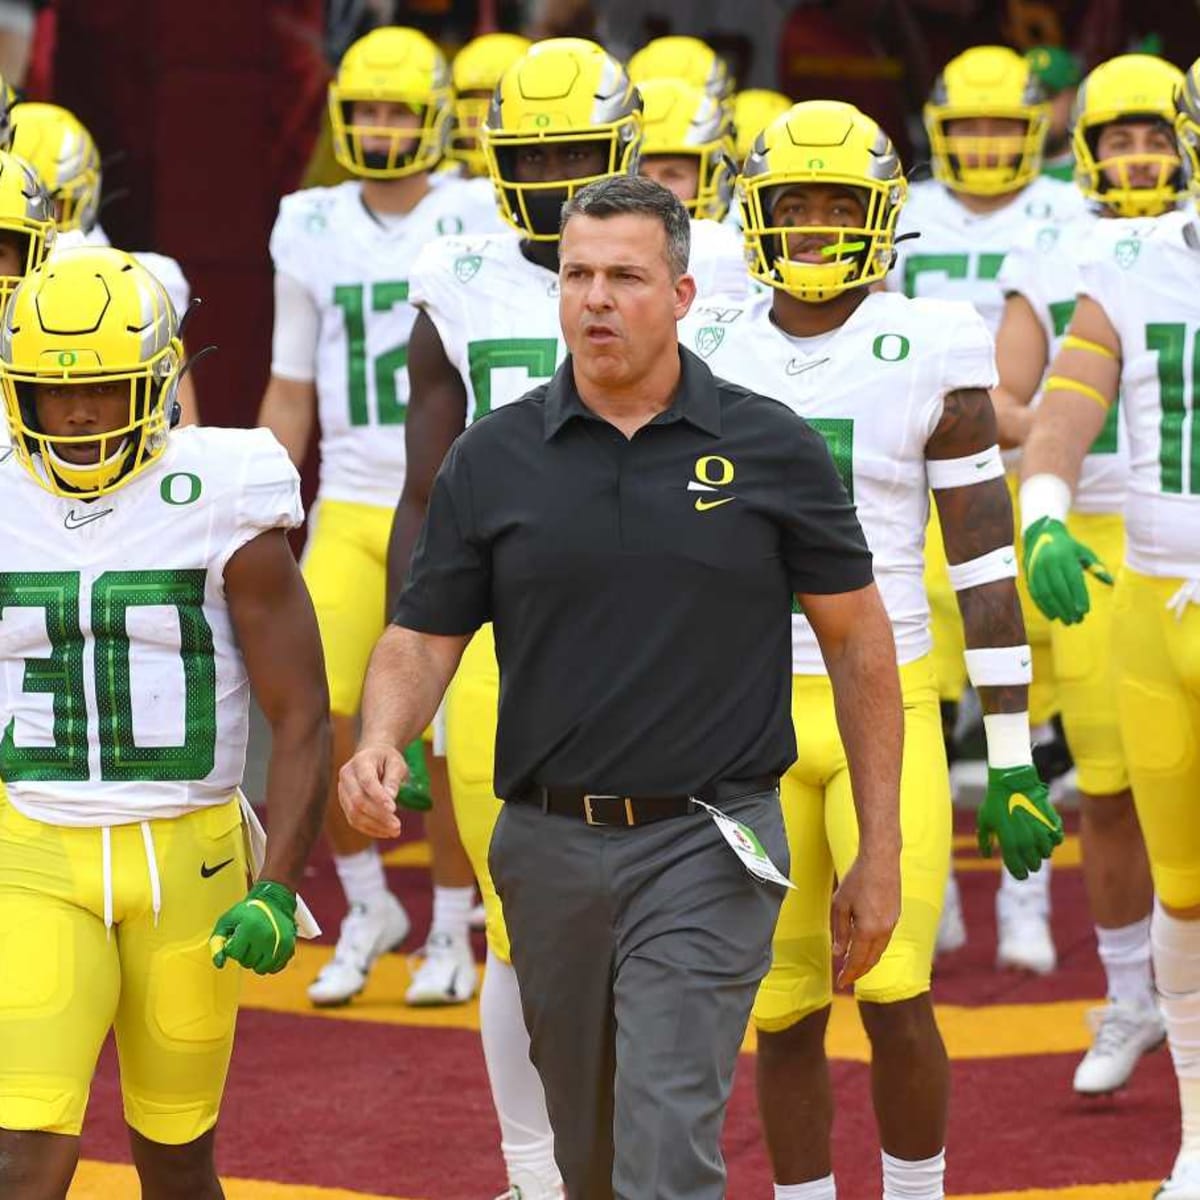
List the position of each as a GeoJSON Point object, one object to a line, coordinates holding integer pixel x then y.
{"type": "Point", "coordinates": [563, 90]}
{"type": "Point", "coordinates": [26, 212]}
{"type": "Point", "coordinates": [679, 119]}
{"type": "Point", "coordinates": [63, 153]}
{"type": "Point", "coordinates": [397, 66]}
{"type": "Point", "coordinates": [1187, 126]}
{"type": "Point", "coordinates": [477, 69]}
{"type": "Point", "coordinates": [90, 316]}
{"type": "Point", "coordinates": [987, 81]}
{"type": "Point", "coordinates": [8, 99]}
{"type": "Point", "coordinates": [821, 142]}
{"type": "Point", "coordinates": [753, 110]}
{"type": "Point", "coordinates": [685, 58]}
{"type": "Point", "coordinates": [1128, 87]}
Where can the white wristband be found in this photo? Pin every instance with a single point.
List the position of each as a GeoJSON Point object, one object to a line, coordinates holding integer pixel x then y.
{"type": "Point", "coordinates": [999, 666]}
{"type": "Point", "coordinates": [1008, 741]}
{"type": "Point", "coordinates": [1000, 563]}
{"type": "Point", "coordinates": [979, 467]}
{"type": "Point", "coordinates": [1044, 495]}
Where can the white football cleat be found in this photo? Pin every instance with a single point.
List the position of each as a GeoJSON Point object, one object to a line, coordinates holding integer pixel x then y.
{"type": "Point", "coordinates": [1124, 1032]}
{"type": "Point", "coordinates": [447, 974]}
{"type": "Point", "coordinates": [952, 929]}
{"type": "Point", "coordinates": [367, 932]}
{"type": "Point", "coordinates": [532, 1190]}
{"type": "Point", "coordinates": [1184, 1181]}
{"type": "Point", "coordinates": [1024, 941]}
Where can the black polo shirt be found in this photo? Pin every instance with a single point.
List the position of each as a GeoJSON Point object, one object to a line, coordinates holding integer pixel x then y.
{"type": "Point", "coordinates": [640, 588]}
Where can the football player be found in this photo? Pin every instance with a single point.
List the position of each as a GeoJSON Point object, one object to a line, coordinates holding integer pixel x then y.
{"type": "Point", "coordinates": [899, 388]}
{"type": "Point", "coordinates": [64, 154]}
{"type": "Point", "coordinates": [986, 120]}
{"type": "Point", "coordinates": [343, 260]}
{"type": "Point", "coordinates": [475, 71]}
{"type": "Point", "coordinates": [686, 58]}
{"type": "Point", "coordinates": [27, 227]}
{"type": "Point", "coordinates": [1136, 329]}
{"type": "Point", "coordinates": [1127, 165]}
{"type": "Point", "coordinates": [148, 585]}
{"type": "Point", "coordinates": [488, 330]}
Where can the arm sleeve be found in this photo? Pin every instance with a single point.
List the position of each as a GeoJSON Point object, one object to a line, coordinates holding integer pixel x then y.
{"type": "Point", "coordinates": [449, 585]}
{"type": "Point", "coordinates": [823, 544]}
{"type": "Point", "coordinates": [297, 327]}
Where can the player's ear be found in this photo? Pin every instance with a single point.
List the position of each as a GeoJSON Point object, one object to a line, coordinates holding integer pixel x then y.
{"type": "Point", "coordinates": [685, 293]}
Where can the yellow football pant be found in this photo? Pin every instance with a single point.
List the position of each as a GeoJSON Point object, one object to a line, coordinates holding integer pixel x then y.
{"type": "Point", "coordinates": [1083, 666]}
{"type": "Point", "coordinates": [65, 979]}
{"type": "Point", "coordinates": [818, 812]}
{"type": "Point", "coordinates": [1157, 666]}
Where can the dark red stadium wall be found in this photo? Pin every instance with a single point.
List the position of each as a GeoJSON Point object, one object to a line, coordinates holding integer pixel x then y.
{"type": "Point", "coordinates": [211, 106]}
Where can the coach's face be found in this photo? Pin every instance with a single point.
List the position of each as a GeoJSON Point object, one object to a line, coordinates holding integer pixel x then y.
{"type": "Point", "coordinates": [618, 301]}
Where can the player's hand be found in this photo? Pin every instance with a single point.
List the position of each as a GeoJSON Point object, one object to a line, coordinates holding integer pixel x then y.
{"type": "Point", "coordinates": [367, 789]}
{"type": "Point", "coordinates": [259, 932]}
{"type": "Point", "coordinates": [1017, 813]}
{"type": "Point", "coordinates": [1055, 564]}
{"type": "Point", "coordinates": [866, 907]}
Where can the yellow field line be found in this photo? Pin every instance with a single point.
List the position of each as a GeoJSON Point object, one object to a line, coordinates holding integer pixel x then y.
{"type": "Point", "coordinates": [1090, 1191]}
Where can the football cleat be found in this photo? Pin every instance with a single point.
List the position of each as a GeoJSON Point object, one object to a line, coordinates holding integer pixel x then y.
{"type": "Point", "coordinates": [368, 931]}
{"type": "Point", "coordinates": [446, 974]}
{"type": "Point", "coordinates": [1124, 1032]}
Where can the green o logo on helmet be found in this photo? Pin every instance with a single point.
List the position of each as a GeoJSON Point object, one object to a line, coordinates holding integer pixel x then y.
{"type": "Point", "coordinates": [541, 120]}
{"type": "Point", "coordinates": [67, 358]}
{"type": "Point", "coordinates": [816, 164]}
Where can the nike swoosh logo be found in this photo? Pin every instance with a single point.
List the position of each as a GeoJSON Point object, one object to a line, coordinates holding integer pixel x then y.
{"type": "Point", "coordinates": [207, 872]}
{"type": "Point", "coordinates": [1018, 803]}
{"type": "Point", "coordinates": [1037, 549]}
{"type": "Point", "coordinates": [704, 505]}
{"type": "Point", "coordinates": [796, 367]}
{"type": "Point", "coordinates": [74, 520]}
{"type": "Point", "coordinates": [6, 455]}
{"type": "Point", "coordinates": [980, 465]}
{"type": "Point", "coordinates": [694, 486]}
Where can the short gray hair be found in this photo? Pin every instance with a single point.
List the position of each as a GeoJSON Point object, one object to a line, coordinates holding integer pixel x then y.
{"type": "Point", "coordinates": [618, 195]}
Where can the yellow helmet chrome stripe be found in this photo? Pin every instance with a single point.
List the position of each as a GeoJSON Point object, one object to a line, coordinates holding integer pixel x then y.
{"type": "Point", "coordinates": [563, 90]}
{"type": "Point", "coordinates": [679, 119]}
{"type": "Point", "coordinates": [477, 68]}
{"type": "Point", "coordinates": [27, 212]}
{"type": "Point", "coordinates": [686, 58]}
{"type": "Point", "coordinates": [987, 81]}
{"type": "Point", "coordinates": [63, 153]}
{"type": "Point", "coordinates": [1187, 127]}
{"type": "Point", "coordinates": [392, 65]}
{"type": "Point", "coordinates": [90, 316]}
{"type": "Point", "coordinates": [1128, 87]}
{"type": "Point", "coordinates": [821, 142]}
{"type": "Point", "coordinates": [753, 110]}
{"type": "Point", "coordinates": [8, 100]}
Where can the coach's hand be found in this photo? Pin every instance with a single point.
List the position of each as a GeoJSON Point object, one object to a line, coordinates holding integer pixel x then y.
{"type": "Point", "coordinates": [259, 932]}
{"type": "Point", "coordinates": [1017, 813]}
{"type": "Point", "coordinates": [866, 908]}
{"type": "Point", "coordinates": [367, 789]}
{"type": "Point", "coordinates": [1055, 564]}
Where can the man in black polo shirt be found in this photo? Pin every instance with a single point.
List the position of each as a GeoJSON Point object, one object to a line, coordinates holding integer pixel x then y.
{"type": "Point", "coordinates": [636, 530]}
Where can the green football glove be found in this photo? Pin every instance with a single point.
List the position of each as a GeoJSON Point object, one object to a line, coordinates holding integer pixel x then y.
{"type": "Point", "coordinates": [259, 931]}
{"type": "Point", "coordinates": [1054, 568]}
{"type": "Point", "coordinates": [414, 791]}
{"type": "Point", "coordinates": [1017, 813]}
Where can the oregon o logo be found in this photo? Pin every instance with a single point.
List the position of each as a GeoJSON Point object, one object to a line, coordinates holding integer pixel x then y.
{"type": "Point", "coordinates": [180, 487]}
{"type": "Point", "coordinates": [67, 358]}
{"type": "Point", "coordinates": [816, 164]}
{"type": "Point", "coordinates": [542, 119]}
{"type": "Point", "coordinates": [890, 347]}
{"type": "Point", "coordinates": [710, 463]}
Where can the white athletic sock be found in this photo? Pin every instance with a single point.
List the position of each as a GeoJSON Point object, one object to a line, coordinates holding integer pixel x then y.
{"type": "Point", "coordinates": [1176, 946]}
{"type": "Point", "coordinates": [1125, 955]}
{"type": "Point", "coordinates": [361, 875]}
{"type": "Point", "coordinates": [452, 911]}
{"type": "Point", "coordinates": [1030, 896]}
{"type": "Point", "coordinates": [526, 1139]}
{"type": "Point", "coordinates": [924, 1179]}
{"type": "Point", "coordinates": [818, 1189]}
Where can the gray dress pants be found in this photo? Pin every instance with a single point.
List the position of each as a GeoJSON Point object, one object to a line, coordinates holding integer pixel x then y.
{"type": "Point", "coordinates": [638, 953]}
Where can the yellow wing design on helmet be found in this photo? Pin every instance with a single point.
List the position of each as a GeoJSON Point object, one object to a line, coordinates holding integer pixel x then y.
{"type": "Point", "coordinates": [685, 58]}
{"type": "Point", "coordinates": [821, 142]}
{"type": "Point", "coordinates": [27, 214]}
{"type": "Point", "coordinates": [678, 119]}
{"type": "Point", "coordinates": [392, 65]}
{"type": "Point", "coordinates": [63, 153]}
{"type": "Point", "coordinates": [753, 110]}
{"type": "Point", "coordinates": [1130, 86]}
{"type": "Point", "coordinates": [91, 316]}
{"type": "Point", "coordinates": [563, 90]}
{"type": "Point", "coordinates": [987, 81]}
{"type": "Point", "coordinates": [476, 71]}
{"type": "Point", "coordinates": [1187, 126]}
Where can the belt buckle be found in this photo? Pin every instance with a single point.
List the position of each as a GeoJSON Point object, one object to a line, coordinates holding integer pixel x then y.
{"type": "Point", "coordinates": [589, 817]}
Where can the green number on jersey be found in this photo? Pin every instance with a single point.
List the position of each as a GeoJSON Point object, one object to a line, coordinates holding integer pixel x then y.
{"type": "Point", "coordinates": [838, 433]}
{"type": "Point", "coordinates": [953, 266]}
{"type": "Point", "coordinates": [1061, 312]}
{"type": "Point", "coordinates": [536, 355]}
{"type": "Point", "coordinates": [1169, 342]}
{"type": "Point", "coordinates": [114, 594]}
{"type": "Point", "coordinates": [384, 296]}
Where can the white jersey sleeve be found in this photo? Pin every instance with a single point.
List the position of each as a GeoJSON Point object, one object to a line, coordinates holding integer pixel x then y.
{"type": "Point", "coordinates": [300, 214]}
{"type": "Point", "coordinates": [435, 286]}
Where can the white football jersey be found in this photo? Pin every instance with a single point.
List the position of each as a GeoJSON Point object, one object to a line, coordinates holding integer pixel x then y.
{"type": "Point", "coordinates": [958, 253]}
{"type": "Point", "coordinates": [497, 313]}
{"type": "Point", "coordinates": [123, 694]}
{"type": "Point", "coordinates": [1043, 267]}
{"type": "Point", "coordinates": [874, 389]}
{"type": "Point", "coordinates": [357, 269]}
{"type": "Point", "coordinates": [1144, 274]}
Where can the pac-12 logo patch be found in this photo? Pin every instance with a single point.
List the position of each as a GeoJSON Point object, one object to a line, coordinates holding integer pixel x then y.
{"type": "Point", "coordinates": [466, 267]}
{"type": "Point", "coordinates": [1126, 252]}
{"type": "Point", "coordinates": [708, 339]}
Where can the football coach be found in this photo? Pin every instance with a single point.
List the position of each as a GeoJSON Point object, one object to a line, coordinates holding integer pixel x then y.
{"type": "Point", "coordinates": [636, 530]}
